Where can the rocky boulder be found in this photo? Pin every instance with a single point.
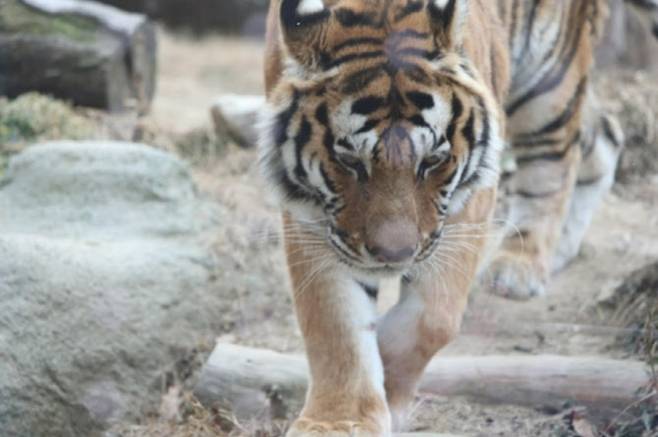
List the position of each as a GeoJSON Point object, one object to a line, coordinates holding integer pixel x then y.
{"type": "Point", "coordinates": [103, 284]}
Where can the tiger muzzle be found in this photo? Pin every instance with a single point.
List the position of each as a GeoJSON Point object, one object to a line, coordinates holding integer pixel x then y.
{"type": "Point", "coordinates": [393, 241]}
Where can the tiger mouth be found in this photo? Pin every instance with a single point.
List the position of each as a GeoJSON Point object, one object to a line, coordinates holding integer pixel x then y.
{"type": "Point", "coordinates": [358, 265]}
{"type": "Point", "coordinates": [380, 271]}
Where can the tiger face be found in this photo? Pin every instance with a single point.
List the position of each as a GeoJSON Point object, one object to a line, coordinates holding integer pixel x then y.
{"type": "Point", "coordinates": [378, 130]}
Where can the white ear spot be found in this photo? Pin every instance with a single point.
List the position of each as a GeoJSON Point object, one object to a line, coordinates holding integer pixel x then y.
{"type": "Point", "coordinates": [308, 7]}
{"type": "Point", "coordinates": [441, 4]}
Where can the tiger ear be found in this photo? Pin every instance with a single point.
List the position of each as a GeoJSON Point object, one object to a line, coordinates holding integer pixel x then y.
{"type": "Point", "coordinates": [448, 19]}
{"type": "Point", "coordinates": [302, 23]}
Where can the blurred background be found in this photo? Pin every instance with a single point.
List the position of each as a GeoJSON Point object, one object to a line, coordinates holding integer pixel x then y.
{"type": "Point", "coordinates": [135, 233]}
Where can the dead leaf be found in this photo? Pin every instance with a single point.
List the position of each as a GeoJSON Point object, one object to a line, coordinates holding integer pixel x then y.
{"type": "Point", "coordinates": [581, 425]}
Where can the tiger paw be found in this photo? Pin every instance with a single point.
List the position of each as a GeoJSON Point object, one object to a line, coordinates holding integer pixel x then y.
{"type": "Point", "coordinates": [516, 277]}
{"type": "Point", "coordinates": [400, 413]}
{"type": "Point", "coordinates": [304, 427]}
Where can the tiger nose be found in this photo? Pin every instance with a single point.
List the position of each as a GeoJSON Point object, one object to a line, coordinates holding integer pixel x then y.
{"type": "Point", "coordinates": [393, 242]}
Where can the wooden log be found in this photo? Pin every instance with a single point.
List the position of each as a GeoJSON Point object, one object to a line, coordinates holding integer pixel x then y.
{"type": "Point", "coordinates": [236, 116]}
{"type": "Point", "coordinates": [251, 382]}
{"type": "Point", "coordinates": [81, 51]}
{"type": "Point", "coordinates": [244, 17]}
{"type": "Point", "coordinates": [423, 434]}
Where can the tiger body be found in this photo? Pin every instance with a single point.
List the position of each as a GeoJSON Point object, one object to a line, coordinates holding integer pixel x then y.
{"type": "Point", "coordinates": [383, 135]}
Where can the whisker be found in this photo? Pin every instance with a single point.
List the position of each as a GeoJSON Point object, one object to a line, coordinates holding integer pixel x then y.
{"type": "Point", "coordinates": [503, 225]}
{"type": "Point", "coordinates": [452, 263]}
{"type": "Point", "coordinates": [313, 260]}
{"type": "Point", "coordinates": [311, 277]}
{"type": "Point", "coordinates": [456, 245]}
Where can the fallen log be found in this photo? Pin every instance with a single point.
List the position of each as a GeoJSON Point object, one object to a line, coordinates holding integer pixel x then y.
{"type": "Point", "coordinates": [424, 434]}
{"type": "Point", "coordinates": [251, 382]}
{"type": "Point", "coordinates": [81, 51]}
{"type": "Point", "coordinates": [243, 17]}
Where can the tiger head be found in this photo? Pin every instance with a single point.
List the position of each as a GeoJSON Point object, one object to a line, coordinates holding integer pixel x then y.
{"type": "Point", "coordinates": [379, 128]}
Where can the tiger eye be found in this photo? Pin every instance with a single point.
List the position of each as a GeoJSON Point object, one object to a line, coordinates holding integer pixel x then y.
{"type": "Point", "coordinates": [349, 160]}
{"type": "Point", "coordinates": [433, 161]}
{"type": "Point", "coordinates": [429, 164]}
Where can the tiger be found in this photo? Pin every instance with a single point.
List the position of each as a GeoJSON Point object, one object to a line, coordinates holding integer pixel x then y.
{"type": "Point", "coordinates": [401, 137]}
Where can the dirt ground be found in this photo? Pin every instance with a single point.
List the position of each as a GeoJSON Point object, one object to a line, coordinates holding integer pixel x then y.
{"type": "Point", "coordinates": [623, 237]}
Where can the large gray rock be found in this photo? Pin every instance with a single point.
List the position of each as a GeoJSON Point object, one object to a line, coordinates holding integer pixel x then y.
{"type": "Point", "coordinates": [103, 284]}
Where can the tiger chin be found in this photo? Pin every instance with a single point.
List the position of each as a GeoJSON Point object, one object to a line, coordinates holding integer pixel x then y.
{"type": "Point", "coordinates": [382, 136]}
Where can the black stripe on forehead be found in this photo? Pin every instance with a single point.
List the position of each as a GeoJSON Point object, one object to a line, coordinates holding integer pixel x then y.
{"type": "Point", "coordinates": [349, 18]}
{"type": "Point", "coordinates": [418, 75]}
{"type": "Point", "coordinates": [361, 79]}
{"type": "Point", "coordinates": [358, 56]}
{"type": "Point", "coordinates": [354, 42]}
{"type": "Point", "coordinates": [428, 55]}
{"type": "Point", "coordinates": [403, 59]}
{"type": "Point", "coordinates": [390, 47]}
{"type": "Point", "coordinates": [368, 105]}
{"type": "Point", "coordinates": [421, 100]}
{"type": "Point", "coordinates": [396, 39]}
{"type": "Point", "coordinates": [410, 8]}
{"type": "Point", "coordinates": [401, 35]}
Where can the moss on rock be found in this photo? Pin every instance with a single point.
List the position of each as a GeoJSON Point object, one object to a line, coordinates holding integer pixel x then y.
{"type": "Point", "coordinates": [17, 17]}
{"type": "Point", "coordinates": [34, 117]}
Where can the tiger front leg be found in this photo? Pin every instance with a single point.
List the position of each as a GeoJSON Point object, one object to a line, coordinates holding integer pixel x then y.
{"type": "Point", "coordinates": [338, 322]}
{"type": "Point", "coordinates": [432, 302]}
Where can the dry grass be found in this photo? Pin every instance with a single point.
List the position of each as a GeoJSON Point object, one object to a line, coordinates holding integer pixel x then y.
{"type": "Point", "coordinates": [633, 98]}
{"type": "Point", "coordinates": [32, 118]}
{"type": "Point", "coordinates": [634, 305]}
{"type": "Point", "coordinates": [35, 117]}
{"type": "Point", "coordinates": [181, 415]}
